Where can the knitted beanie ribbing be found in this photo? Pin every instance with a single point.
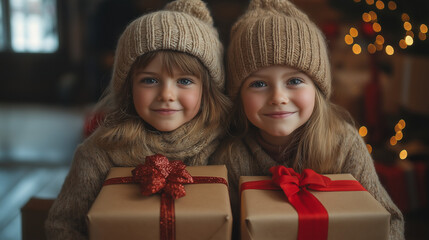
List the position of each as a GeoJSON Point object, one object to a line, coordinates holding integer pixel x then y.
{"type": "Point", "coordinates": [184, 26]}
{"type": "Point", "coordinates": [275, 32]}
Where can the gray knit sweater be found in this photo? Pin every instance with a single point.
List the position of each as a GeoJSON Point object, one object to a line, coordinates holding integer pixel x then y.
{"type": "Point", "coordinates": [249, 159]}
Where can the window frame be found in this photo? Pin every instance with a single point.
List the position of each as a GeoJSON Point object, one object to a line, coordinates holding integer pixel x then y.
{"type": "Point", "coordinates": [6, 24]}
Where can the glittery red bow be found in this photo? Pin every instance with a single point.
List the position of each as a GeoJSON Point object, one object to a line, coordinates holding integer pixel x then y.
{"type": "Point", "coordinates": [158, 174]}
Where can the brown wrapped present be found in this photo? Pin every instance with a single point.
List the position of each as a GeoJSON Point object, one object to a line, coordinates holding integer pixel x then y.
{"type": "Point", "coordinates": [267, 214]}
{"type": "Point", "coordinates": [122, 212]}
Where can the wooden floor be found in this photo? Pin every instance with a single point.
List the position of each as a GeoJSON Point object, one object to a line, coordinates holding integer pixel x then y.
{"type": "Point", "coordinates": [37, 143]}
{"type": "Point", "coordinates": [20, 182]}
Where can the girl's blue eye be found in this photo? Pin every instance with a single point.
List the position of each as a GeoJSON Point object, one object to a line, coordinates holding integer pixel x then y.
{"type": "Point", "coordinates": [149, 81]}
{"type": "Point", "coordinates": [257, 84]}
{"type": "Point", "coordinates": [294, 81]}
{"type": "Point", "coordinates": [185, 81]}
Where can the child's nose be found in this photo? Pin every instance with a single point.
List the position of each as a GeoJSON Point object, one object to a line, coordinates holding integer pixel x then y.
{"type": "Point", "coordinates": [279, 96]}
{"type": "Point", "coordinates": [167, 93]}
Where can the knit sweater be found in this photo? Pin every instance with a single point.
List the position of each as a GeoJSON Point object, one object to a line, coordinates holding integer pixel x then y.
{"type": "Point", "coordinates": [248, 158]}
{"type": "Point", "coordinates": [91, 164]}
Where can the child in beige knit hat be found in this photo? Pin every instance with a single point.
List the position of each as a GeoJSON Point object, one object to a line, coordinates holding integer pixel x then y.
{"type": "Point", "coordinates": [165, 97]}
{"type": "Point", "coordinates": [279, 79]}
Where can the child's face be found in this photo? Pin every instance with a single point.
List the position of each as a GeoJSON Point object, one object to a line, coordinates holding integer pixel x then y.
{"type": "Point", "coordinates": [278, 100]}
{"type": "Point", "coordinates": [163, 101]}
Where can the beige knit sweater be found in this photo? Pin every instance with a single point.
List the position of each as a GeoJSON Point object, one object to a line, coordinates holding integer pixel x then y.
{"type": "Point", "coordinates": [91, 164]}
{"type": "Point", "coordinates": [249, 159]}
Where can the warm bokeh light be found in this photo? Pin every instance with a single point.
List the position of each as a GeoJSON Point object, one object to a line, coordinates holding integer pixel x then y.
{"type": "Point", "coordinates": [376, 26]}
{"type": "Point", "coordinates": [402, 44]}
{"type": "Point", "coordinates": [409, 40]}
{"type": "Point", "coordinates": [380, 5]}
{"type": "Point", "coordinates": [405, 17]}
{"type": "Point", "coordinates": [422, 36]}
{"type": "Point", "coordinates": [356, 49]}
{"type": "Point", "coordinates": [353, 32]}
{"type": "Point", "coordinates": [363, 131]}
{"type": "Point", "coordinates": [407, 26]}
{"type": "Point", "coordinates": [379, 47]}
{"type": "Point", "coordinates": [371, 48]}
{"type": "Point", "coordinates": [379, 40]}
{"type": "Point", "coordinates": [356, 1]}
{"type": "Point", "coordinates": [399, 135]}
{"type": "Point", "coordinates": [369, 148]}
{"type": "Point", "coordinates": [393, 141]}
{"type": "Point", "coordinates": [403, 154]}
{"type": "Point", "coordinates": [398, 128]}
{"type": "Point", "coordinates": [391, 5]}
{"type": "Point", "coordinates": [373, 15]}
{"type": "Point", "coordinates": [401, 124]}
{"type": "Point", "coordinates": [369, 2]}
{"type": "Point", "coordinates": [410, 33]}
{"type": "Point", "coordinates": [390, 50]}
{"type": "Point", "coordinates": [348, 39]}
{"type": "Point", "coordinates": [366, 17]}
{"type": "Point", "coordinates": [423, 28]}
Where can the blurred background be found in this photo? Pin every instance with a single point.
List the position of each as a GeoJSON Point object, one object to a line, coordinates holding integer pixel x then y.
{"type": "Point", "coordinates": [56, 60]}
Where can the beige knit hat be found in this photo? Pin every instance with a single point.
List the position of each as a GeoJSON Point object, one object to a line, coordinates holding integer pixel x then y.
{"type": "Point", "coordinates": [275, 32]}
{"type": "Point", "coordinates": [183, 25]}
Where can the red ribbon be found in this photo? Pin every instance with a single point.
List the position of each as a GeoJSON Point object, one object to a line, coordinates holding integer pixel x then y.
{"type": "Point", "coordinates": [159, 175]}
{"type": "Point", "coordinates": [313, 218]}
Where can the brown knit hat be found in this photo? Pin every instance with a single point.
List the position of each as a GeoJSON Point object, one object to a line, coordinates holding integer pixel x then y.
{"type": "Point", "coordinates": [183, 25]}
{"type": "Point", "coordinates": [275, 32]}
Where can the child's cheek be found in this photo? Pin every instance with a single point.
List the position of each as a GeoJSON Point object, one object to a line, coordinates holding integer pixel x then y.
{"type": "Point", "coordinates": [191, 101]}
{"type": "Point", "coordinates": [306, 103]}
{"type": "Point", "coordinates": [252, 104]}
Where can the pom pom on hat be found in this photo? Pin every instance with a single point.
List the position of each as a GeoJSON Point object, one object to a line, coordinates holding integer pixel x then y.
{"type": "Point", "coordinates": [195, 8]}
{"type": "Point", "coordinates": [275, 32]}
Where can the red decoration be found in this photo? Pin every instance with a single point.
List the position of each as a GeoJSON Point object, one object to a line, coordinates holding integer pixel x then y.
{"type": "Point", "coordinates": [367, 29]}
{"type": "Point", "coordinates": [92, 122]}
{"type": "Point", "coordinates": [312, 216]}
{"type": "Point", "coordinates": [330, 29]}
{"type": "Point", "coordinates": [159, 175]}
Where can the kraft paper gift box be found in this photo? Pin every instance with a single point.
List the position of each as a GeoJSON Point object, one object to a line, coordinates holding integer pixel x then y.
{"type": "Point", "coordinates": [121, 212]}
{"type": "Point", "coordinates": [353, 215]}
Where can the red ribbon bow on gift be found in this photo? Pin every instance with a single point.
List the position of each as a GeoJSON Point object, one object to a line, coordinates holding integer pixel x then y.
{"type": "Point", "coordinates": [158, 174]}
{"type": "Point", "coordinates": [313, 219]}
{"type": "Point", "coordinates": [291, 182]}
{"type": "Point", "coordinates": [312, 215]}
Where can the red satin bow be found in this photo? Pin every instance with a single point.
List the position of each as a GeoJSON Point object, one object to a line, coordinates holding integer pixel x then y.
{"type": "Point", "coordinates": [312, 215]}
{"type": "Point", "coordinates": [291, 182]}
{"type": "Point", "coordinates": [158, 174]}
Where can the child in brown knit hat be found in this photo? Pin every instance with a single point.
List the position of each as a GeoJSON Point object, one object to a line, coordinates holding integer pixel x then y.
{"type": "Point", "coordinates": [279, 79]}
{"type": "Point", "coordinates": [165, 97]}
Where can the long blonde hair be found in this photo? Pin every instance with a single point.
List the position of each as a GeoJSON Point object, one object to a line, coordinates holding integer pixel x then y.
{"type": "Point", "coordinates": [123, 125]}
{"type": "Point", "coordinates": [313, 145]}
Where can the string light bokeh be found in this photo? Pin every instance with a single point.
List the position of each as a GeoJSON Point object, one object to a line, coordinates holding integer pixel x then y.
{"type": "Point", "coordinates": [398, 136]}
{"type": "Point", "coordinates": [412, 31]}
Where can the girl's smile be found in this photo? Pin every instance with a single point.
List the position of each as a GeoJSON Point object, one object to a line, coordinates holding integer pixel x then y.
{"type": "Point", "coordinates": [165, 111]}
{"type": "Point", "coordinates": [279, 114]}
